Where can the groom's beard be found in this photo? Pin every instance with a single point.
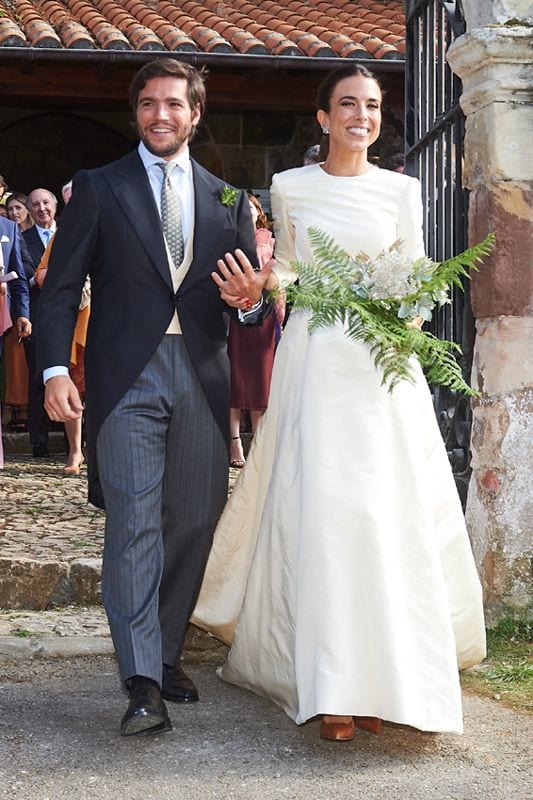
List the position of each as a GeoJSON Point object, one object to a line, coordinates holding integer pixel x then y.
{"type": "Point", "coordinates": [172, 146]}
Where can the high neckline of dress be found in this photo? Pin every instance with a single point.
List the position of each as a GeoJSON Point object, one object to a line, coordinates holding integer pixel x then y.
{"type": "Point", "coordinates": [371, 168]}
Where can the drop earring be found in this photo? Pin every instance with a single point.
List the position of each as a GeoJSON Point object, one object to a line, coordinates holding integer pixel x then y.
{"type": "Point", "coordinates": [325, 130]}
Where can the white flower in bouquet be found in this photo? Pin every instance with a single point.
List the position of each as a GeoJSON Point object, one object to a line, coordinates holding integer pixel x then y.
{"type": "Point", "coordinates": [374, 298]}
{"type": "Point", "coordinates": [393, 273]}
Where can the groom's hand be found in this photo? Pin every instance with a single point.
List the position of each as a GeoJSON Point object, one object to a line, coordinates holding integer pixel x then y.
{"type": "Point", "coordinates": [240, 286]}
{"type": "Point", "coordinates": [61, 399]}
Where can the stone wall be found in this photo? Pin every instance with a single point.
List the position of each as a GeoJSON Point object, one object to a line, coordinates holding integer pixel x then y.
{"type": "Point", "coordinates": [43, 147]}
{"type": "Point", "coordinates": [493, 60]}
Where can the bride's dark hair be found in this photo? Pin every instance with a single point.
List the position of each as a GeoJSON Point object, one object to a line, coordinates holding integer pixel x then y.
{"type": "Point", "coordinates": [326, 88]}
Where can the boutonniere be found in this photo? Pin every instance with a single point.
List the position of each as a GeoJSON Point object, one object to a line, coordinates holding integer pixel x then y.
{"type": "Point", "coordinates": [228, 196]}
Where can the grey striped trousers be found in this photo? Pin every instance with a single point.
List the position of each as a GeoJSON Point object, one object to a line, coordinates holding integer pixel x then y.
{"type": "Point", "coordinates": [163, 466]}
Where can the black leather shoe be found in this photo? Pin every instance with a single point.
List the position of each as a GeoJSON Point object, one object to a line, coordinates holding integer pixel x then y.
{"type": "Point", "coordinates": [177, 687]}
{"type": "Point", "coordinates": [40, 451]}
{"type": "Point", "coordinates": [146, 714]}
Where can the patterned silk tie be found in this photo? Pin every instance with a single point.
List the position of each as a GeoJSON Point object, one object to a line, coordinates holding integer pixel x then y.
{"type": "Point", "coordinates": [171, 215]}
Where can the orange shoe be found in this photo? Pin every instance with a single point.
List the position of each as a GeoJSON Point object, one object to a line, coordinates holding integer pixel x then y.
{"type": "Point", "coordinates": [370, 724]}
{"type": "Point", "coordinates": [337, 731]}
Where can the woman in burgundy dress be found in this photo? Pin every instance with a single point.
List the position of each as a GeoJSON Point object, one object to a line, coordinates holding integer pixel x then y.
{"type": "Point", "coordinates": [251, 350]}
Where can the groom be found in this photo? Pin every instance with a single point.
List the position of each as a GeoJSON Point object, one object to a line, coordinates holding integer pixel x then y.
{"type": "Point", "coordinates": [149, 229]}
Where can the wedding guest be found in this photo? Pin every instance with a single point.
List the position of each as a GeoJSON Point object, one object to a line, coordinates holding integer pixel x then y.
{"type": "Point", "coordinates": [42, 205]}
{"type": "Point", "coordinates": [18, 212]}
{"type": "Point", "coordinates": [73, 427]}
{"type": "Point", "coordinates": [4, 194]}
{"type": "Point", "coordinates": [312, 155]}
{"type": "Point", "coordinates": [394, 161]}
{"type": "Point", "coordinates": [16, 368]}
{"type": "Point", "coordinates": [251, 350]}
{"type": "Point", "coordinates": [14, 294]}
{"type": "Point", "coordinates": [341, 570]}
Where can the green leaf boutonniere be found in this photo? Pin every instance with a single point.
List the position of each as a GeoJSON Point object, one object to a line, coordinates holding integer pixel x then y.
{"type": "Point", "coordinates": [228, 196]}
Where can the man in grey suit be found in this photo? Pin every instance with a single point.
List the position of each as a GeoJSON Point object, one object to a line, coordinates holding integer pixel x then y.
{"type": "Point", "coordinates": [149, 229]}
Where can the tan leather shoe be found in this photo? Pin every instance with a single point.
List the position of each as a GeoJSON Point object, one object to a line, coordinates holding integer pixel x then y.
{"type": "Point", "coordinates": [370, 724]}
{"type": "Point", "coordinates": [337, 731]}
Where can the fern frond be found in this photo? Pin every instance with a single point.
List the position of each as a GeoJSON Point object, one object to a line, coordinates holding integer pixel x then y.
{"type": "Point", "coordinates": [452, 271]}
{"type": "Point", "coordinates": [332, 290]}
{"type": "Point", "coordinates": [327, 253]}
{"type": "Point", "coordinates": [437, 357]}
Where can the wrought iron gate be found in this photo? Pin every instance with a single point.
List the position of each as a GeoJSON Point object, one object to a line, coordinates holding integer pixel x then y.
{"type": "Point", "coordinates": [434, 146]}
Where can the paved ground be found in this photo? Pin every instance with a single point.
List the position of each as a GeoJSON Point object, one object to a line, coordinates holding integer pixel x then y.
{"type": "Point", "coordinates": [44, 514]}
{"type": "Point", "coordinates": [59, 715]}
{"type": "Point", "coordinates": [50, 555]}
{"type": "Point", "coordinates": [58, 741]}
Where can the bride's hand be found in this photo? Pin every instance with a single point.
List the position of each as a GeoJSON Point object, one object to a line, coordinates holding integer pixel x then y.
{"type": "Point", "coordinates": [240, 286]}
{"type": "Point", "coordinates": [417, 322]}
{"type": "Point", "coordinates": [235, 301]}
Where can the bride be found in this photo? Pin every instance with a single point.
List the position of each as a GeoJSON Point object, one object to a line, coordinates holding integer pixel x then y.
{"type": "Point", "coordinates": [341, 571]}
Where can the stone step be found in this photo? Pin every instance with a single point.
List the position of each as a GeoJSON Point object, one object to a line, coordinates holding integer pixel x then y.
{"type": "Point", "coordinates": [34, 585]}
{"type": "Point", "coordinates": [51, 543]}
{"type": "Point", "coordinates": [19, 443]}
{"type": "Point", "coordinates": [78, 631]}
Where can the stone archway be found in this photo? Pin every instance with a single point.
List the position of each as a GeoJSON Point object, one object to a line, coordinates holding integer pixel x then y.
{"type": "Point", "coordinates": [45, 149]}
{"type": "Point", "coordinates": [493, 59]}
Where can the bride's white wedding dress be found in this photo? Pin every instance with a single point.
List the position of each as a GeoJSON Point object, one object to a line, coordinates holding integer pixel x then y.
{"type": "Point", "coordinates": [341, 570]}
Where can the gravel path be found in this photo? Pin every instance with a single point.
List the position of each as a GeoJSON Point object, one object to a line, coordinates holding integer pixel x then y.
{"type": "Point", "coordinates": [59, 742]}
{"type": "Point", "coordinates": [44, 515]}
{"type": "Point", "coordinates": [59, 716]}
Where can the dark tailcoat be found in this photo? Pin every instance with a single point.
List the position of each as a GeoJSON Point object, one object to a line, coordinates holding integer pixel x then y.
{"type": "Point", "coordinates": [32, 252]}
{"type": "Point", "coordinates": [38, 422]}
{"type": "Point", "coordinates": [34, 249]}
{"type": "Point", "coordinates": [34, 245]}
{"type": "Point", "coordinates": [111, 230]}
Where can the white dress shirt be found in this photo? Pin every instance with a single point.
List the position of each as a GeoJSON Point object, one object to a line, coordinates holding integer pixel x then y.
{"type": "Point", "coordinates": [45, 234]}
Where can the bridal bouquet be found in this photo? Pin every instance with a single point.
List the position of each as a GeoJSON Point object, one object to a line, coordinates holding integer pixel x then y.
{"type": "Point", "coordinates": [376, 299]}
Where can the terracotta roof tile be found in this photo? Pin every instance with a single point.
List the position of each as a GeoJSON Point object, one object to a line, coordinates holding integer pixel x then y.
{"type": "Point", "coordinates": [313, 29]}
{"type": "Point", "coordinates": [11, 35]}
{"type": "Point", "coordinates": [38, 30]}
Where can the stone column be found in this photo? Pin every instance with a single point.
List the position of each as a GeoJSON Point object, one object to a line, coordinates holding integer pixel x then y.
{"type": "Point", "coordinates": [494, 63]}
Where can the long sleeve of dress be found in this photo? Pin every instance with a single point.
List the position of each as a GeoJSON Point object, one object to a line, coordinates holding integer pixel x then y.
{"type": "Point", "coordinates": [284, 253]}
{"type": "Point", "coordinates": [410, 220]}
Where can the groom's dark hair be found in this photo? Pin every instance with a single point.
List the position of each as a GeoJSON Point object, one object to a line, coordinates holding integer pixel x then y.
{"type": "Point", "coordinates": [170, 68]}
